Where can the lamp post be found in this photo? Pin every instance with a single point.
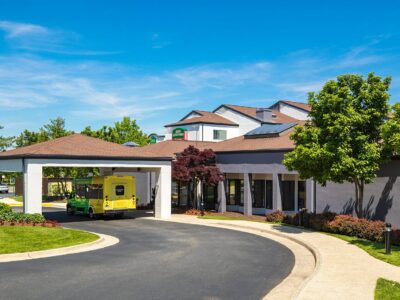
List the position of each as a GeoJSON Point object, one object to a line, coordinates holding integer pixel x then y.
{"type": "Point", "coordinates": [388, 243]}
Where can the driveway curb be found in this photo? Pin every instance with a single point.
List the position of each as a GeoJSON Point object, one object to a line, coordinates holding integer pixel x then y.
{"type": "Point", "coordinates": [102, 242]}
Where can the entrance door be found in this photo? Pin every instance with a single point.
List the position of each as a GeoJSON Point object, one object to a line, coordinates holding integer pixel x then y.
{"type": "Point", "coordinates": [119, 199]}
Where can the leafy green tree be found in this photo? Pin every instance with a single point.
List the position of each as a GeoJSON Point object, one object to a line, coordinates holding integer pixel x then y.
{"type": "Point", "coordinates": [125, 131]}
{"type": "Point", "coordinates": [5, 141]}
{"type": "Point", "coordinates": [54, 129]}
{"type": "Point", "coordinates": [342, 141]}
{"type": "Point", "coordinates": [391, 132]}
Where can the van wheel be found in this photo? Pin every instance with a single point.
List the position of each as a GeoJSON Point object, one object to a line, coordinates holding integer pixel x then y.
{"type": "Point", "coordinates": [70, 211]}
{"type": "Point", "coordinates": [91, 213]}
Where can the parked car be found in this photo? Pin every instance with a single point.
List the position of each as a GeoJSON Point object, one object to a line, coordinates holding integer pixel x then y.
{"type": "Point", "coordinates": [3, 188]}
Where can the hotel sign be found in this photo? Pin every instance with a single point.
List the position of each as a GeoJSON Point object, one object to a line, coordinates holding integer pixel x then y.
{"type": "Point", "coordinates": [179, 134]}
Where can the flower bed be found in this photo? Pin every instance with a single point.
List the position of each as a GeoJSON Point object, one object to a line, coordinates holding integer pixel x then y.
{"type": "Point", "coordinates": [10, 218]}
{"type": "Point", "coordinates": [341, 224]}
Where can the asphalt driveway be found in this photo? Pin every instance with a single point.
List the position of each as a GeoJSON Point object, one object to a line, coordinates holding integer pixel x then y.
{"type": "Point", "coordinates": [154, 260]}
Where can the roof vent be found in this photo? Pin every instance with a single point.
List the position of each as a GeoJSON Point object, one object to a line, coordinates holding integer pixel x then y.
{"type": "Point", "coordinates": [130, 144]}
{"type": "Point", "coordinates": [264, 114]}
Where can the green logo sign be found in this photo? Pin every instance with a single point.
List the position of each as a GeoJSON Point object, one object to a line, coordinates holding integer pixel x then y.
{"type": "Point", "coordinates": [153, 138]}
{"type": "Point", "coordinates": [179, 134]}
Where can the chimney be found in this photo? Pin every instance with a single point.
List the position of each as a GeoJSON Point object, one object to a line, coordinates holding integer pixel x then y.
{"type": "Point", "coordinates": [264, 115]}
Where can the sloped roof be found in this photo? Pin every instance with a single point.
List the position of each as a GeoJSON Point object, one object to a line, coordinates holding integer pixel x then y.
{"type": "Point", "coordinates": [242, 144]}
{"type": "Point", "coordinates": [81, 147]}
{"type": "Point", "coordinates": [171, 147]}
{"type": "Point", "coordinates": [301, 105]}
{"type": "Point", "coordinates": [251, 112]}
{"type": "Point", "coordinates": [269, 129]}
{"type": "Point", "coordinates": [264, 143]}
{"type": "Point", "coordinates": [204, 117]}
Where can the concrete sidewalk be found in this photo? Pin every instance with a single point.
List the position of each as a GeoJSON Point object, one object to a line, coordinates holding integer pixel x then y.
{"type": "Point", "coordinates": [340, 270]}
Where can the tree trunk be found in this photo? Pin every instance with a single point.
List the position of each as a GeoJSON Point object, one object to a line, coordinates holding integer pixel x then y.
{"type": "Point", "coordinates": [358, 205]}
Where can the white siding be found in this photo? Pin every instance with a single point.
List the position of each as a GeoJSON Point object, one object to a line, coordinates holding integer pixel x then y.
{"type": "Point", "coordinates": [245, 123]}
{"type": "Point", "coordinates": [293, 112]}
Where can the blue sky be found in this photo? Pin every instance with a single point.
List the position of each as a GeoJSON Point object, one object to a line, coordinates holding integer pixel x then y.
{"type": "Point", "coordinates": [93, 62]}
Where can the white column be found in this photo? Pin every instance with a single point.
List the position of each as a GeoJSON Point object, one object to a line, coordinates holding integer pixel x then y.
{"type": "Point", "coordinates": [247, 201]}
{"type": "Point", "coordinates": [221, 197]}
{"type": "Point", "coordinates": [276, 193]}
{"type": "Point", "coordinates": [162, 205]}
{"type": "Point", "coordinates": [33, 188]}
{"type": "Point", "coordinates": [310, 195]}
{"type": "Point", "coordinates": [296, 194]}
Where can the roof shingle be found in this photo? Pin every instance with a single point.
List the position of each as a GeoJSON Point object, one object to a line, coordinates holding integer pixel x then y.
{"type": "Point", "coordinates": [80, 146]}
{"type": "Point", "coordinates": [251, 112]}
{"type": "Point", "coordinates": [205, 117]}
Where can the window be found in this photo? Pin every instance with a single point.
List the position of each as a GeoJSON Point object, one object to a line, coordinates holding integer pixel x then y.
{"type": "Point", "coordinates": [235, 192]}
{"type": "Point", "coordinates": [288, 195]}
{"type": "Point", "coordinates": [119, 190]}
{"type": "Point", "coordinates": [219, 134]}
{"type": "Point", "coordinates": [210, 196]}
{"type": "Point", "coordinates": [175, 193]}
{"type": "Point", "coordinates": [80, 190]}
{"type": "Point", "coordinates": [95, 191]}
{"type": "Point", "coordinates": [262, 194]}
{"type": "Point", "coordinates": [302, 195]}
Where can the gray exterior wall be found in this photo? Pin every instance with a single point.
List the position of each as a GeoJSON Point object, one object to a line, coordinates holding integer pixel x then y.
{"type": "Point", "coordinates": [252, 162]}
{"type": "Point", "coordinates": [381, 198]}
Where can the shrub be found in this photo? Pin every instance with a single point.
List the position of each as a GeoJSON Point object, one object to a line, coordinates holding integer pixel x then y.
{"type": "Point", "coordinates": [19, 217]}
{"type": "Point", "coordinates": [275, 217]}
{"type": "Point", "coordinates": [5, 208]}
{"type": "Point", "coordinates": [341, 224]}
{"type": "Point", "coordinates": [319, 221]}
{"type": "Point", "coordinates": [362, 228]}
{"type": "Point", "coordinates": [291, 219]}
{"type": "Point", "coordinates": [195, 212]}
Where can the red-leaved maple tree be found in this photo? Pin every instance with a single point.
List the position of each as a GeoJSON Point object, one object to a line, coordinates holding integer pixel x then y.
{"type": "Point", "coordinates": [195, 166]}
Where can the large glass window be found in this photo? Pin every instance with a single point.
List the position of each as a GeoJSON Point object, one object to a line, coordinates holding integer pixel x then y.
{"type": "Point", "coordinates": [210, 195]}
{"type": "Point", "coordinates": [174, 193]}
{"type": "Point", "coordinates": [235, 192]}
{"type": "Point", "coordinates": [219, 134]}
{"type": "Point", "coordinates": [302, 195]}
{"type": "Point", "coordinates": [288, 195]}
{"type": "Point", "coordinates": [183, 194]}
{"type": "Point", "coordinates": [262, 194]}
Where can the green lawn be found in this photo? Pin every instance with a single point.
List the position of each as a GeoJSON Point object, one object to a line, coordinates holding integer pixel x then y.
{"type": "Point", "coordinates": [374, 249]}
{"type": "Point", "coordinates": [387, 290]}
{"type": "Point", "coordinates": [14, 239]}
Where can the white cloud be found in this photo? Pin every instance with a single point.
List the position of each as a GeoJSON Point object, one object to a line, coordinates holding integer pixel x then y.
{"type": "Point", "coordinates": [37, 38]}
{"type": "Point", "coordinates": [15, 30]}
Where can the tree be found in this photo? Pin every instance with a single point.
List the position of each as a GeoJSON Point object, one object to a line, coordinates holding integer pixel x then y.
{"type": "Point", "coordinates": [342, 141]}
{"type": "Point", "coordinates": [5, 141]}
{"type": "Point", "coordinates": [54, 129]}
{"type": "Point", "coordinates": [391, 132]}
{"type": "Point", "coordinates": [194, 166]}
{"type": "Point", "coordinates": [125, 131]}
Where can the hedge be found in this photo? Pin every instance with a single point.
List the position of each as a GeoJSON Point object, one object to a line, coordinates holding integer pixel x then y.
{"type": "Point", "coordinates": [338, 223]}
{"type": "Point", "coordinates": [8, 217]}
